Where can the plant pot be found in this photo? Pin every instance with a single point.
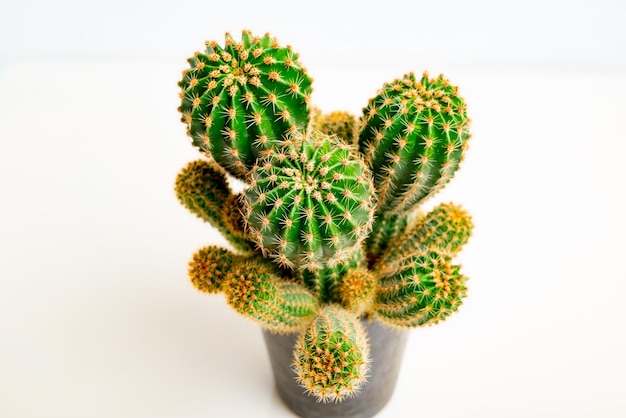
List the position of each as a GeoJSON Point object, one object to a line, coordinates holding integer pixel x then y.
{"type": "Point", "coordinates": [386, 351]}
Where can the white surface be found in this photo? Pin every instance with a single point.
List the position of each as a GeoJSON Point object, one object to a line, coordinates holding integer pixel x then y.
{"type": "Point", "coordinates": [97, 317]}
{"type": "Point", "coordinates": [521, 33]}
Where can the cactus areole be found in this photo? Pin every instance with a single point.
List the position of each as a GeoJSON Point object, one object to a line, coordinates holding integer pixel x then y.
{"type": "Point", "coordinates": [329, 247]}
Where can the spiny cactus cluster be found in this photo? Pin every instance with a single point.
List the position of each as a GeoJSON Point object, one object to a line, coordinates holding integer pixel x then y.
{"type": "Point", "coordinates": [328, 230]}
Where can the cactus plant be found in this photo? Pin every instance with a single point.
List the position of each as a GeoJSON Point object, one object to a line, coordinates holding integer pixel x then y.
{"type": "Point", "coordinates": [202, 188]}
{"type": "Point", "coordinates": [209, 266]}
{"type": "Point", "coordinates": [332, 355]}
{"type": "Point", "coordinates": [328, 230]}
{"type": "Point", "coordinates": [238, 100]}
{"type": "Point", "coordinates": [310, 202]}
{"type": "Point", "coordinates": [447, 227]}
{"type": "Point", "coordinates": [419, 290]}
{"type": "Point", "coordinates": [278, 304]}
{"type": "Point", "coordinates": [413, 135]}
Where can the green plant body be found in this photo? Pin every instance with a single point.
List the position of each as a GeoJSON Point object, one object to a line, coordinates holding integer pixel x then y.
{"type": "Point", "coordinates": [413, 136]}
{"type": "Point", "coordinates": [447, 228]}
{"type": "Point", "coordinates": [328, 228]}
{"type": "Point", "coordinates": [240, 99]}
{"type": "Point", "coordinates": [332, 355]}
{"type": "Point", "coordinates": [279, 305]}
{"type": "Point", "coordinates": [202, 188]}
{"type": "Point", "coordinates": [310, 202]}
{"type": "Point", "coordinates": [419, 290]}
{"type": "Point", "coordinates": [209, 266]}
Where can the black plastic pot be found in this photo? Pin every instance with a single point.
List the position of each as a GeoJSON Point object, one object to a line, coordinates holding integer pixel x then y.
{"type": "Point", "coordinates": [386, 351]}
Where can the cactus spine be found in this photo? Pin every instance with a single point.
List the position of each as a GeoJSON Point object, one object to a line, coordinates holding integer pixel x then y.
{"type": "Point", "coordinates": [413, 135]}
{"type": "Point", "coordinates": [238, 100]}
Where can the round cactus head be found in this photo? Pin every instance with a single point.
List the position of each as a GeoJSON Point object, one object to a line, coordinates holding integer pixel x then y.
{"type": "Point", "coordinates": [310, 203]}
{"type": "Point", "coordinates": [239, 99]}
{"type": "Point", "coordinates": [413, 134]}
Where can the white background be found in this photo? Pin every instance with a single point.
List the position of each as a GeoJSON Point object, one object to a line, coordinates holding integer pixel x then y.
{"type": "Point", "coordinates": [97, 318]}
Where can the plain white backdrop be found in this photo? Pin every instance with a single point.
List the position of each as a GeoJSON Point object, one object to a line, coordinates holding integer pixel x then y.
{"type": "Point", "coordinates": [97, 317]}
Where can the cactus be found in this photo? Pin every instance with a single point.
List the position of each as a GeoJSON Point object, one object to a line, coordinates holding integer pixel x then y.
{"type": "Point", "coordinates": [239, 99]}
{"type": "Point", "coordinates": [209, 266]}
{"type": "Point", "coordinates": [277, 304]}
{"type": "Point", "coordinates": [328, 228]}
{"type": "Point", "coordinates": [356, 290]}
{"type": "Point", "coordinates": [340, 123]}
{"type": "Point", "coordinates": [419, 290]}
{"type": "Point", "coordinates": [201, 187]}
{"type": "Point", "coordinates": [310, 203]}
{"type": "Point", "coordinates": [413, 135]}
{"type": "Point", "coordinates": [332, 355]}
{"type": "Point", "coordinates": [445, 229]}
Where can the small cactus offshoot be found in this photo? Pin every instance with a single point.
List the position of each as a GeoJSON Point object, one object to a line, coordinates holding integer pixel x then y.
{"type": "Point", "coordinates": [332, 355]}
{"type": "Point", "coordinates": [328, 229]}
{"type": "Point", "coordinates": [279, 305]}
{"type": "Point", "coordinates": [419, 290]}
{"type": "Point", "coordinates": [339, 123]}
{"type": "Point", "coordinates": [209, 266]}
{"type": "Point", "coordinates": [202, 188]}
{"type": "Point", "coordinates": [357, 289]}
{"type": "Point", "coordinates": [446, 228]}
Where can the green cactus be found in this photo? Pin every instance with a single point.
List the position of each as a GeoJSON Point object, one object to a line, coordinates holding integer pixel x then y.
{"type": "Point", "coordinates": [413, 134]}
{"type": "Point", "coordinates": [445, 229]}
{"type": "Point", "coordinates": [310, 203]}
{"type": "Point", "coordinates": [209, 266]}
{"type": "Point", "coordinates": [419, 290]}
{"type": "Point", "coordinates": [327, 230]}
{"type": "Point", "coordinates": [340, 123]}
{"type": "Point", "coordinates": [238, 100]}
{"type": "Point", "coordinates": [332, 355]}
{"type": "Point", "coordinates": [201, 187]}
{"type": "Point", "coordinates": [277, 304]}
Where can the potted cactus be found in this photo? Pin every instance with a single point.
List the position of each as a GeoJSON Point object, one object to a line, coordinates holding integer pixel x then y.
{"type": "Point", "coordinates": [331, 253]}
